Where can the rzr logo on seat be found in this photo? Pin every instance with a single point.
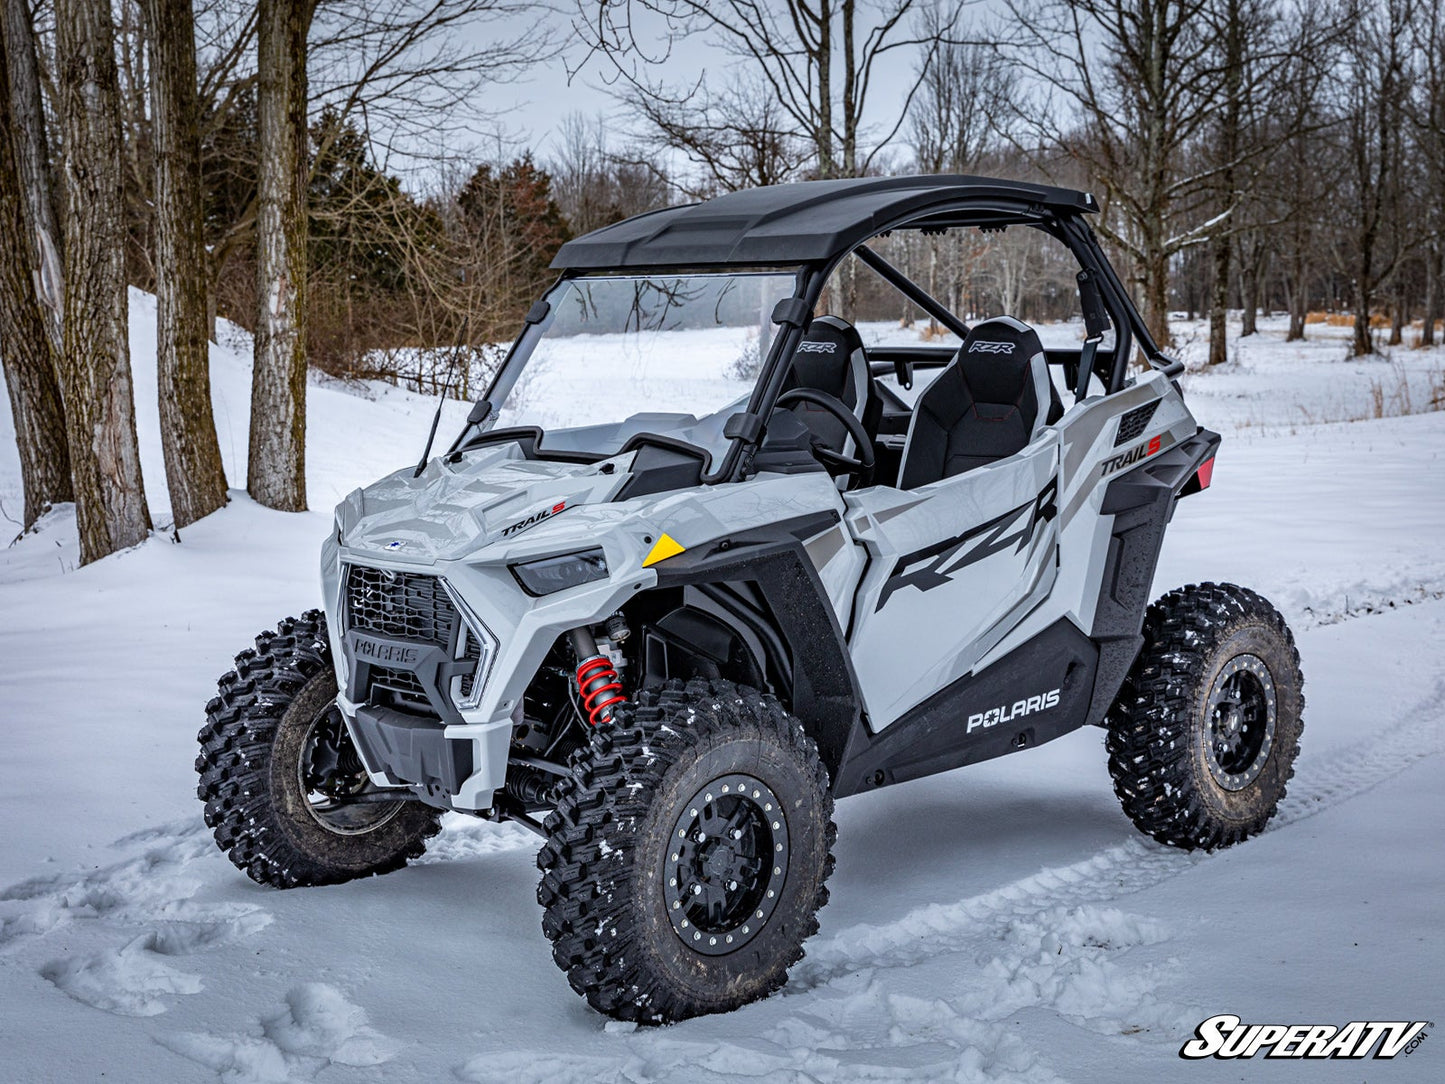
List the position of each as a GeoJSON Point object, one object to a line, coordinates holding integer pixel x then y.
{"type": "Point", "coordinates": [817, 348]}
{"type": "Point", "coordinates": [982, 347]}
{"type": "Point", "coordinates": [1020, 708]}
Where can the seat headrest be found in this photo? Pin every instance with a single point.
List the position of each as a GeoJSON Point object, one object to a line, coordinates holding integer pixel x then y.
{"type": "Point", "coordinates": [825, 353]}
{"type": "Point", "coordinates": [996, 355]}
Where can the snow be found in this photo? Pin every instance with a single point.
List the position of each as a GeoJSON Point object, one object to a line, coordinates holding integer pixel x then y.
{"type": "Point", "coordinates": [1002, 923]}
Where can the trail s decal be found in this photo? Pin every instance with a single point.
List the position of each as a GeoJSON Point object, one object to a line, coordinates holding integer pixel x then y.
{"type": "Point", "coordinates": [1125, 459]}
{"type": "Point", "coordinates": [934, 566]}
{"type": "Point", "coordinates": [534, 519]}
{"type": "Point", "coordinates": [1225, 1036]}
{"type": "Point", "coordinates": [1007, 713]}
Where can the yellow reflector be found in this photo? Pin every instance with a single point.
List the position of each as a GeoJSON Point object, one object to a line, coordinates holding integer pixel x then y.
{"type": "Point", "coordinates": [666, 547]}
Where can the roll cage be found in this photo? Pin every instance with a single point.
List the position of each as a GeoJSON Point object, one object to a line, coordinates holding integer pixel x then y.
{"type": "Point", "coordinates": [821, 223]}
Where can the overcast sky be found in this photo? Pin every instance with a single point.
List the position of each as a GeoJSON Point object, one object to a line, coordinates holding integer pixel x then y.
{"type": "Point", "coordinates": [530, 109]}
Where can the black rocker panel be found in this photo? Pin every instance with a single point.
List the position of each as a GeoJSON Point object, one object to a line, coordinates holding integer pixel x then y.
{"type": "Point", "coordinates": [1039, 691]}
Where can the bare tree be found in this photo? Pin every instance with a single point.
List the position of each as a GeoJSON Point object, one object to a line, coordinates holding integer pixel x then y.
{"type": "Point", "coordinates": [1427, 114]}
{"type": "Point", "coordinates": [595, 185]}
{"type": "Point", "coordinates": [194, 473]}
{"type": "Point", "coordinates": [816, 59]}
{"type": "Point", "coordinates": [32, 155]}
{"type": "Point", "coordinates": [25, 343]}
{"type": "Point", "coordinates": [1374, 83]}
{"type": "Point", "coordinates": [94, 371]}
{"type": "Point", "coordinates": [276, 469]}
{"type": "Point", "coordinates": [743, 138]}
{"type": "Point", "coordinates": [967, 95]}
{"type": "Point", "coordinates": [1298, 186]}
{"type": "Point", "coordinates": [1139, 76]}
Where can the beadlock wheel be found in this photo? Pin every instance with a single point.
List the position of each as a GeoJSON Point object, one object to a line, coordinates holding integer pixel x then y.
{"type": "Point", "coordinates": [687, 857]}
{"type": "Point", "coordinates": [1203, 736]}
{"type": "Point", "coordinates": [730, 861]}
{"type": "Point", "coordinates": [1242, 714]}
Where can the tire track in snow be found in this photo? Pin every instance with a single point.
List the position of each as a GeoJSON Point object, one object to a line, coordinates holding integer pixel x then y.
{"type": "Point", "coordinates": [1139, 863]}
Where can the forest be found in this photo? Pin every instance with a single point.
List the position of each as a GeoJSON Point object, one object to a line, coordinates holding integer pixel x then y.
{"type": "Point", "coordinates": [321, 174]}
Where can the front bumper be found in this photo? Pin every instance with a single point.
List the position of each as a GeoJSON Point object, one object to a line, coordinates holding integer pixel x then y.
{"type": "Point", "coordinates": [412, 750]}
{"type": "Point", "coordinates": [451, 750]}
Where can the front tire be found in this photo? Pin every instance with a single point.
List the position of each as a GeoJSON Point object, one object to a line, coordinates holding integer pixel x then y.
{"type": "Point", "coordinates": [271, 735]}
{"type": "Point", "coordinates": [1203, 736]}
{"type": "Point", "coordinates": [686, 858]}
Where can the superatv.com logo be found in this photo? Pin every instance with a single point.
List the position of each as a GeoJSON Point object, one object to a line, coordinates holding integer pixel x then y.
{"type": "Point", "coordinates": [1226, 1036]}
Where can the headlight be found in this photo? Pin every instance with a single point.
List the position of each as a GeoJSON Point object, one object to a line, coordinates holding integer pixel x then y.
{"type": "Point", "coordinates": [552, 574]}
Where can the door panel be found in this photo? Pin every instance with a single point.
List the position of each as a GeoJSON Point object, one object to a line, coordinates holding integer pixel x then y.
{"type": "Point", "coordinates": [953, 566]}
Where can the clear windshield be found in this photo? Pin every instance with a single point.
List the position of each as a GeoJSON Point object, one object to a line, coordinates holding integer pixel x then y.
{"type": "Point", "coordinates": [620, 355]}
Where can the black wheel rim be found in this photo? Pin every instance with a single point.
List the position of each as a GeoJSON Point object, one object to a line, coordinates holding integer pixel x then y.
{"type": "Point", "coordinates": [1241, 713]}
{"type": "Point", "coordinates": [726, 864]}
{"type": "Point", "coordinates": [337, 791]}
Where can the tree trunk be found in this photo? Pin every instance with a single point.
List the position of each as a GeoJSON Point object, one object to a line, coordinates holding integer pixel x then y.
{"type": "Point", "coordinates": [194, 473]}
{"type": "Point", "coordinates": [1432, 293]}
{"type": "Point", "coordinates": [1249, 277]}
{"type": "Point", "coordinates": [1155, 282]}
{"type": "Point", "coordinates": [25, 345]}
{"type": "Point", "coordinates": [276, 473]}
{"type": "Point", "coordinates": [1219, 302]}
{"type": "Point", "coordinates": [95, 381]}
{"type": "Point", "coordinates": [32, 156]}
{"type": "Point", "coordinates": [1362, 343]}
{"type": "Point", "coordinates": [1298, 299]}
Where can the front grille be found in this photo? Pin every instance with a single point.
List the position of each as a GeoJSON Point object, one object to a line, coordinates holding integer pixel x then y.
{"type": "Point", "coordinates": [398, 681]}
{"type": "Point", "coordinates": [410, 605]}
{"type": "Point", "coordinates": [1135, 422]}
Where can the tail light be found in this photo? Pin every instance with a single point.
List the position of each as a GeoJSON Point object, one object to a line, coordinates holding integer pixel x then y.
{"type": "Point", "coordinates": [1200, 479]}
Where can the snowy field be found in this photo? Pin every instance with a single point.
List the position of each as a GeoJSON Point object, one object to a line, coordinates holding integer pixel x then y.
{"type": "Point", "coordinates": [1004, 922]}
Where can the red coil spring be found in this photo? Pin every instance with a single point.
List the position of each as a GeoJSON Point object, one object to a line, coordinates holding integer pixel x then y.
{"type": "Point", "coordinates": [600, 688]}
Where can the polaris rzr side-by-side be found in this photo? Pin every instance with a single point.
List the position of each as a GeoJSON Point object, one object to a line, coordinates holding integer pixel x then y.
{"type": "Point", "coordinates": [702, 562]}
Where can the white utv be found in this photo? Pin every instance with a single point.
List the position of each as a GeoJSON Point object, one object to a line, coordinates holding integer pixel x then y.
{"type": "Point", "coordinates": [665, 629]}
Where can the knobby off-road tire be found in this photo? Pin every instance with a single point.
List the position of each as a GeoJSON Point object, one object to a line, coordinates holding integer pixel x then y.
{"type": "Point", "coordinates": [1205, 731]}
{"type": "Point", "coordinates": [250, 778]}
{"type": "Point", "coordinates": [652, 924]}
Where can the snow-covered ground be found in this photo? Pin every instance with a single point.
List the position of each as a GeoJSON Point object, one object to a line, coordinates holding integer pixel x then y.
{"type": "Point", "coordinates": [1003, 922]}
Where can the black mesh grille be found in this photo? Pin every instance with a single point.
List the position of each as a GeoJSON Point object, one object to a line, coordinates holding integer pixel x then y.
{"type": "Point", "coordinates": [398, 681]}
{"type": "Point", "coordinates": [413, 606]}
{"type": "Point", "coordinates": [1135, 422]}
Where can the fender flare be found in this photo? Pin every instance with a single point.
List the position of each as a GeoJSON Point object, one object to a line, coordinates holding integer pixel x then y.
{"type": "Point", "coordinates": [825, 694]}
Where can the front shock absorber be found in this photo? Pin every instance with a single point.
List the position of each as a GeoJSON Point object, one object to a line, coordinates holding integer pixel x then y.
{"type": "Point", "coordinates": [597, 680]}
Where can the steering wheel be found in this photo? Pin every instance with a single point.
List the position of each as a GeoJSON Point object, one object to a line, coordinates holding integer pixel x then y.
{"type": "Point", "coordinates": [861, 468]}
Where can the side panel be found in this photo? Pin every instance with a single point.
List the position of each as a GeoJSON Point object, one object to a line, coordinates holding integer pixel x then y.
{"type": "Point", "coordinates": [1102, 441]}
{"type": "Point", "coordinates": [954, 565]}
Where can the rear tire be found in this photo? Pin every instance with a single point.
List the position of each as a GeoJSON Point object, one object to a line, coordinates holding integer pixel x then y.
{"type": "Point", "coordinates": [1204, 734]}
{"type": "Point", "coordinates": [253, 747]}
{"type": "Point", "coordinates": [687, 855]}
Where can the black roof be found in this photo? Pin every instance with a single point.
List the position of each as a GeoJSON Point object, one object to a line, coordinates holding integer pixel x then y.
{"type": "Point", "coordinates": [803, 222]}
